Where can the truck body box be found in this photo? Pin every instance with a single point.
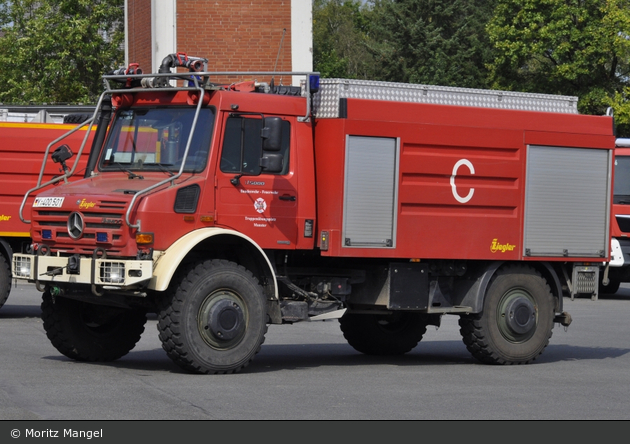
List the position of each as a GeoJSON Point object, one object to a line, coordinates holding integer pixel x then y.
{"type": "Point", "coordinates": [425, 180]}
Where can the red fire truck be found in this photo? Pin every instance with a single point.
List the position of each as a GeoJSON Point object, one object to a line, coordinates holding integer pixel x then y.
{"type": "Point", "coordinates": [225, 208]}
{"type": "Point", "coordinates": [619, 266]}
{"type": "Point", "coordinates": [21, 150]}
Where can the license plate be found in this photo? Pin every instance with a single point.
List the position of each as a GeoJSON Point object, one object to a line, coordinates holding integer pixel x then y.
{"type": "Point", "coordinates": [48, 202]}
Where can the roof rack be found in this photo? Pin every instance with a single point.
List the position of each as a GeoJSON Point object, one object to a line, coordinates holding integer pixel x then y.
{"type": "Point", "coordinates": [326, 104]}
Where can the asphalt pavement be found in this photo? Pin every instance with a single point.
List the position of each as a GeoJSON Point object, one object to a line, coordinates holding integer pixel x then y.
{"type": "Point", "coordinates": [307, 371]}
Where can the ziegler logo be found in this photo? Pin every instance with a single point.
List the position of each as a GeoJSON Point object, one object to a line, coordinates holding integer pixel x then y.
{"type": "Point", "coordinates": [107, 220]}
{"type": "Point", "coordinates": [84, 204]}
{"type": "Point", "coordinates": [497, 247]}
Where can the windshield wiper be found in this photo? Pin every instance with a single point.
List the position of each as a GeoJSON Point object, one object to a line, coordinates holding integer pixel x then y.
{"type": "Point", "coordinates": [162, 167]}
{"type": "Point", "coordinates": [131, 174]}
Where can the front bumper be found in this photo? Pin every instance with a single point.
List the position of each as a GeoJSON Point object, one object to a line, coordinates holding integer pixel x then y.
{"type": "Point", "coordinates": [103, 272]}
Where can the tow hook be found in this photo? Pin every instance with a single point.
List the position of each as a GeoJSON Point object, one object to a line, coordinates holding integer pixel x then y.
{"type": "Point", "coordinates": [56, 291]}
{"type": "Point", "coordinates": [563, 319]}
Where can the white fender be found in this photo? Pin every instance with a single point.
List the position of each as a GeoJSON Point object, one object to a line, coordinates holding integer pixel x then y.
{"type": "Point", "coordinates": [616, 253]}
{"type": "Point", "coordinates": [169, 260]}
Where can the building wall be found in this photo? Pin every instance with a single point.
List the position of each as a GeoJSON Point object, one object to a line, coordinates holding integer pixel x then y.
{"type": "Point", "coordinates": [234, 35]}
{"type": "Point", "coordinates": [138, 33]}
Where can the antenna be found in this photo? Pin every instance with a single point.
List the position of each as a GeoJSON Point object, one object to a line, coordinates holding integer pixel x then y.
{"type": "Point", "coordinates": [284, 30]}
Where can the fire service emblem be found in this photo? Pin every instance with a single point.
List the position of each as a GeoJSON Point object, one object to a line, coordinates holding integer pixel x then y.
{"type": "Point", "coordinates": [260, 205]}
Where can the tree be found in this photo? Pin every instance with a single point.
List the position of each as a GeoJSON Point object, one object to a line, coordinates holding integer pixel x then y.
{"type": "Point", "coordinates": [438, 42]}
{"type": "Point", "coordinates": [571, 47]}
{"type": "Point", "coordinates": [339, 39]}
{"type": "Point", "coordinates": [55, 51]}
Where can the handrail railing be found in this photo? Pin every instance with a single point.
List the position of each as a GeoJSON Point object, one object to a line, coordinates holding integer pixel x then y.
{"type": "Point", "coordinates": [66, 174]}
{"type": "Point", "coordinates": [169, 179]}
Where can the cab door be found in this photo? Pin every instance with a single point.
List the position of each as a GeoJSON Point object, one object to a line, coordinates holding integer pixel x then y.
{"type": "Point", "coordinates": [260, 205]}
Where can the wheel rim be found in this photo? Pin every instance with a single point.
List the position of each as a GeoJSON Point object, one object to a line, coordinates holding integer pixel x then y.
{"type": "Point", "coordinates": [517, 315]}
{"type": "Point", "coordinates": [222, 319]}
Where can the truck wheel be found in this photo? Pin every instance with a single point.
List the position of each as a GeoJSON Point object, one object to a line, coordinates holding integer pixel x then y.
{"type": "Point", "coordinates": [89, 332]}
{"type": "Point", "coordinates": [215, 320]}
{"type": "Point", "coordinates": [5, 280]}
{"type": "Point", "coordinates": [611, 288]}
{"type": "Point", "coordinates": [517, 319]}
{"type": "Point", "coordinates": [375, 334]}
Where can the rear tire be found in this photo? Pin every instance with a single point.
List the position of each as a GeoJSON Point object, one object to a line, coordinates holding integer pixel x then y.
{"type": "Point", "coordinates": [215, 320]}
{"type": "Point", "coordinates": [5, 280]}
{"type": "Point", "coordinates": [383, 335]}
{"type": "Point", "coordinates": [517, 319]}
{"type": "Point", "coordinates": [611, 288]}
{"type": "Point", "coordinates": [89, 332]}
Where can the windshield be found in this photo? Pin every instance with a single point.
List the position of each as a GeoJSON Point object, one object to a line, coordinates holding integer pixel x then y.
{"type": "Point", "coordinates": [154, 139]}
{"type": "Point", "coordinates": [622, 180]}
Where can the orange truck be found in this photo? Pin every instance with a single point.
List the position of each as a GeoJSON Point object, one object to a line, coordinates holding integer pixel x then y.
{"type": "Point", "coordinates": [22, 146]}
{"type": "Point", "coordinates": [224, 208]}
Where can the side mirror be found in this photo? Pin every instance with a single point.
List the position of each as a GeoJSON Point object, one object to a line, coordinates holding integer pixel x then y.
{"type": "Point", "coordinates": [272, 134]}
{"type": "Point", "coordinates": [271, 162]}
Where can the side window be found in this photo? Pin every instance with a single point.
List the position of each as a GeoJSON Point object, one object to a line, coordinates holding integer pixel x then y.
{"type": "Point", "coordinates": [242, 146]}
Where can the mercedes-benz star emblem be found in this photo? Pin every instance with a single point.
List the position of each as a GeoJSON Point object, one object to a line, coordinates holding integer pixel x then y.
{"type": "Point", "coordinates": [75, 225]}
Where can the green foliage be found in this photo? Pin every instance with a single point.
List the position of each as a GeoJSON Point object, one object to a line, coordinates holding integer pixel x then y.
{"type": "Point", "coordinates": [440, 42]}
{"type": "Point", "coordinates": [55, 51]}
{"type": "Point", "coordinates": [572, 47]}
{"type": "Point", "coordinates": [339, 36]}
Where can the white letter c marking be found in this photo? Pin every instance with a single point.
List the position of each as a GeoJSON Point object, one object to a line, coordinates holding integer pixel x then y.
{"type": "Point", "coordinates": [454, 187]}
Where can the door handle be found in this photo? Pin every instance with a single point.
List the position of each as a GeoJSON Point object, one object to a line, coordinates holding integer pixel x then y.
{"type": "Point", "coordinates": [287, 197]}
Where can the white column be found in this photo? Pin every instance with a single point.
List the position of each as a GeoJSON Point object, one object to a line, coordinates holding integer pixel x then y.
{"type": "Point", "coordinates": [301, 37]}
{"type": "Point", "coordinates": [126, 31]}
{"type": "Point", "coordinates": [163, 30]}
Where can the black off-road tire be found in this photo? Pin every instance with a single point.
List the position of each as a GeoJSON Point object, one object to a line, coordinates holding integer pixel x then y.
{"type": "Point", "coordinates": [517, 319]}
{"type": "Point", "coordinates": [383, 335]}
{"type": "Point", "coordinates": [611, 288]}
{"type": "Point", "coordinates": [214, 320]}
{"type": "Point", "coordinates": [5, 280]}
{"type": "Point", "coordinates": [89, 332]}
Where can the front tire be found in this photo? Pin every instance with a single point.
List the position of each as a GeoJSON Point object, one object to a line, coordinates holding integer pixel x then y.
{"type": "Point", "coordinates": [383, 335]}
{"type": "Point", "coordinates": [517, 319]}
{"type": "Point", "coordinates": [215, 320]}
{"type": "Point", "coordinates": [89, 332]}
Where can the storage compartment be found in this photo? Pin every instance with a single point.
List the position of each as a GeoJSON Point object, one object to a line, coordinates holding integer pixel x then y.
{"type": "Point", "coordinates": [567, 202]}
{"type": "Point", "coordinates": [370, 192]}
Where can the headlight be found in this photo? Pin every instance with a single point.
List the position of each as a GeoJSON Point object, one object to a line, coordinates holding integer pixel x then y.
{"type": "Point", "coordinates": [22, 266]}
{"type": "Point", "coordinates": [112, 272]}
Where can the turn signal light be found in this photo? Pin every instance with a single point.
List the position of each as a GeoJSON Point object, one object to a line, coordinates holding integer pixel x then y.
{"type": "Point", "coordinates": [144, 238]}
